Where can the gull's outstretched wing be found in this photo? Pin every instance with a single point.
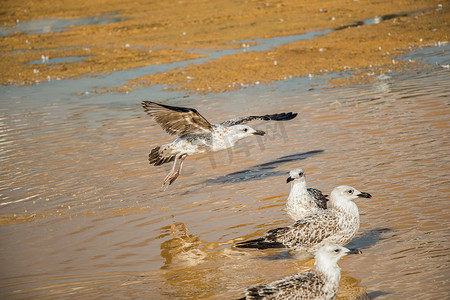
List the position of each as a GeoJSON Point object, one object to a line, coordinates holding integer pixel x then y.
{"type": "Point", "coordinates": [275, 117]}
{"type": "Point", "coordinates": [177, 120]}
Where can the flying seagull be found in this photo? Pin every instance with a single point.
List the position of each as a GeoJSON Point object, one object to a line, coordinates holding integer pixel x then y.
{"type": "Point", "coordinates": [196, 135]}
{"type": "Point", "coordinates": [337, 224]}
{"type": "Point", "coordinates": [321, 283]}
{"type": "Point", "coordinates": [303, 201]}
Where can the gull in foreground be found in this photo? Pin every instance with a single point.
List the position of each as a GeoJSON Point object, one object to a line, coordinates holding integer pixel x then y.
{"type": "Point", "coordinates": [303, 201]}
{"type": "Point", "coordinates": [321, 283]}
{"type": "Point", "coordinates": [337, 224]}
{"type": "Point", "coordinates": [196, 134]}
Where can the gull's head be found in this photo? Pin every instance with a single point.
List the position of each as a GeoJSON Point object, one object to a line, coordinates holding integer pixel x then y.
{"type": "Point", "coordinates": [238, 132]}
{"type": "Point", "coordinates": [347, 193]}
{"type": "Point", "coordinates": [296, 175]}
{"type": "Point", "coordinates": [329, 254]}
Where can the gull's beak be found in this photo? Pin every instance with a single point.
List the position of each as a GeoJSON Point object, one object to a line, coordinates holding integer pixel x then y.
{"type": "Point", "coordinates": [364, 195]}
{"type": "Point", "coordinates": [259, 132]}
{"type": "Point", "coordinates": [354, 251]}
{"type": "Point", "coordinates": [289, 179]}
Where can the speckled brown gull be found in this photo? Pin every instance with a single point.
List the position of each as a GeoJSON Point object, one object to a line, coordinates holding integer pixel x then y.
{"type": "Point", "coordinates": [337, 224]}
{"type": "Point", "coordinates": [321, 283]}
{"type": "Point", "coordinates": [196, 134]}
{"type": "Point", "coordinates": [303, 201]}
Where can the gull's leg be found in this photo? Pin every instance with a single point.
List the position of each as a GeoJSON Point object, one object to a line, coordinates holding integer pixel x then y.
{"type": "Point", "coordinates": [172, 171]}
{"type": "Point", "coordinates": [178, 172]}
{"type": "Point", "coordinates": [181, 163]}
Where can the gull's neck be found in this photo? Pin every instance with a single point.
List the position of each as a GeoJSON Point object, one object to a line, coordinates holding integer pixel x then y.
{"type": "Point", "coordinates": [298, 188]}
{"type": "Point", "coordinates": [329, 269]}
{"type": "Point", "coordinates": [223, 138]}
{"type": "Point", "coordinates": [299, 203]}
{"type": "Point", "coordinates": [344, 205]}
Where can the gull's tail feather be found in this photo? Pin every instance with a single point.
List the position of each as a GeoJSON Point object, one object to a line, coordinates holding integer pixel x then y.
{"type": "Point", "coordinates": [260, 244]}
{"type": "Point", "coordinates": [157, 157]}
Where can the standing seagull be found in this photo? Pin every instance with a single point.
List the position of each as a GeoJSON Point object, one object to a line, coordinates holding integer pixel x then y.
{"type": "Point", "coordinates": [196, 134]}
{"type": "Point", "coordinates": [303, 201]}
{"type": "Point", "coordinates": [338, 224]}
{"type": "Point", "coordinates": [321, 283]}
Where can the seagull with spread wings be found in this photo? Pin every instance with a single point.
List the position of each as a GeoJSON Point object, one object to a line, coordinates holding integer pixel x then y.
{"type": "Point", "coordinates": [196, 134]}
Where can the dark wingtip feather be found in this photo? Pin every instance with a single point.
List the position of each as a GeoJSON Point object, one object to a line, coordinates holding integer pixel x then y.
{"type": "Point", "coordinates": [260, 244]}
{"type": "Point", "coordinates": [289, 116]}
{"type": "Point", "coordinates": [281, 116]}
{"type": "Point", "coordinates": [146, 103]}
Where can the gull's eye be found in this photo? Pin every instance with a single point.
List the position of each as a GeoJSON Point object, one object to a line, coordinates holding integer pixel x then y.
{"type": "Point", "coordinates": [245, 129]}
{"type": "Point", "coordinates": [350, 191]}
{"type": "Point", "coordinates": [336, 250]}
{"type": "Point", "coordinates": [300, 174]}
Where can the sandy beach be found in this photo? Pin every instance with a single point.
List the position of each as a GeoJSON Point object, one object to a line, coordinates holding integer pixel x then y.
{"type": "Point", "coordinates": [117, 36]}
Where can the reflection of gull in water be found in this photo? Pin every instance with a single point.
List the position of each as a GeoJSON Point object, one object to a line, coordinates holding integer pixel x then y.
{"type": "Point", "coordinates": [196, 134]}
{"type": "Point", "coordinates": [182, 247]}
{"type": "Point", "coordinates": [322, 283]}
{"type": "Point", "coordinates": [303, 201]}
{"type": "Point", "coordinates": [338, 224]}
{"type": "Point", "coordinates": [349, 288]}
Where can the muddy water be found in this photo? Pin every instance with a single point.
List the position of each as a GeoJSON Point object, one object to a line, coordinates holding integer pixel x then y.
{"type": "Point", "coordinates": [83, 215]}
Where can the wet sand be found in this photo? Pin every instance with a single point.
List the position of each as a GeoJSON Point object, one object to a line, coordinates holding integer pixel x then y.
{"type": "Point", "coordinates": [142, 34]}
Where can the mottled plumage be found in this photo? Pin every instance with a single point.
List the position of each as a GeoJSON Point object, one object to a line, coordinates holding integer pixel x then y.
{"type": "Point", "coordinates": [303, 201]}
{"type": "Point", "coordinates": [196, 134]}
{"type": "Point", "coordinates": [321, 283]}
{"type": "Point", "coordinates": [337, 224]}
{"type": "Point", "coordinates": [177, 120]}
{"type": "Point", "coordinates": [319, 198]}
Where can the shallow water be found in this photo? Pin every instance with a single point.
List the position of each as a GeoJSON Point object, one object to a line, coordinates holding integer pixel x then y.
{"type": "Point", "coordinates": [84, 217]}
{"type": "Point", "coordinates": [56, 25]}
